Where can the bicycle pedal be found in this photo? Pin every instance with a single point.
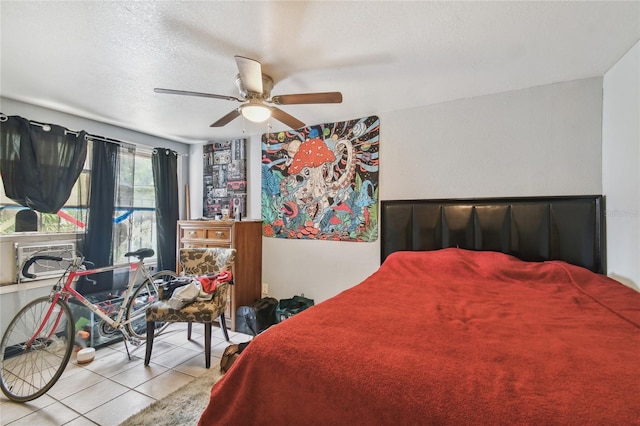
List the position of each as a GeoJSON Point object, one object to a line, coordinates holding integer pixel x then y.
{"type": "Point", "coordinates": [130, 339]}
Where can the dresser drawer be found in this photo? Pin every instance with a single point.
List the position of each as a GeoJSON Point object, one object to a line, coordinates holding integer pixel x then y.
{"type": "Point", "coordinates": [221, 234]}
{"type": "Point", "coordinates": [193, 234]}
{"type": "Point", "coordinates": [218, 234]}
{"type": "Point", "coordinates": [204, 243]}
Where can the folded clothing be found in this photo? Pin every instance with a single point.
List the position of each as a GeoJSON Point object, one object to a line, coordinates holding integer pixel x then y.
{"type": "Point", "coordinates": [188, 293]}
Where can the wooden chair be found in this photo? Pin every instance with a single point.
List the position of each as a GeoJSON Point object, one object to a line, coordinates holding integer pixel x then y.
{"type": "Point", "coordinates": [196, 262]}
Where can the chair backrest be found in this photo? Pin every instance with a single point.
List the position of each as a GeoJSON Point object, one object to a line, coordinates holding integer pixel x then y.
{"type": "Point", "coordinates": [206, 261]}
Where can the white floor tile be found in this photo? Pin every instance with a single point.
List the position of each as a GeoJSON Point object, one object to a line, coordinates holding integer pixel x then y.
{"type": "Point", "coordinates": [113, 363]}
{"type": "Point", "coordinates": [239, 337]}
{"type": "Point", "coordinates": [80, 421]}
{"type": "Point", "coordinates": [178, 338]}
{"type": "Point", "coordinates": [94, 396]}
{"type": "Point", "coordinates": [159, 347]}
{"type": "Point", "coordinates": [119, 409]}
{"type": "Point", "coordinates": [55, 414]}
{"type": "Point", "coordinates": [175, 357]}
{"type": "Point", "coordinates": [164, 384]}
{"type": "Point", "coordinates": [136, 376]}
{"type": "Point", "coordinates": [72, 368]}
{"type": "Point", "coordinates": [11, 411]}
{"type": "Point", "coordinates": [36, 404]}
{"type": "Point", "coordinates": [218, 333]}
{"type": "Point", "coordinates": [73, 384]}
{"type": "Point", "coordinates": [195, 366]}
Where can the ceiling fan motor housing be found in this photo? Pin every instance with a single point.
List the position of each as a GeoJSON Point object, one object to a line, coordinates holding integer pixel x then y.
{"type": "Point", "coordinates": [267, 85]}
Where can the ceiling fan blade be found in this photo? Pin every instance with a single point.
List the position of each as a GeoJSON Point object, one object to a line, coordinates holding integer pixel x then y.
{"type": "Point", "coordinates": [250, 73]}
{"type": "Point", "coordinates": [308, 98]}
{"type": "Point", "coordinates": [203, 95]}
{"type": "Point", "coordinates": [285, 118]}
{"type": "Point", "coordinates": [227, 118]}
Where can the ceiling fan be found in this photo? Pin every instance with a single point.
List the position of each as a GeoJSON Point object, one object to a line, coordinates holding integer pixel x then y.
{"type": "Point", "coordinates": [255, 90]}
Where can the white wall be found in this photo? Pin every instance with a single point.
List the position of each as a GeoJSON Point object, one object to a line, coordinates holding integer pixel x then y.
{"type": "Point", "coordinates": [539, 141]}
{"type": "Point", "coordinates": [621, 167]}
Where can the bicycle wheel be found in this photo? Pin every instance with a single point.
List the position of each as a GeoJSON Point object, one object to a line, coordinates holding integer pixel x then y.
{"type": "Point", "coordinates": [143, 296]}
{"type": "Point", "coordinates": [29, 370]}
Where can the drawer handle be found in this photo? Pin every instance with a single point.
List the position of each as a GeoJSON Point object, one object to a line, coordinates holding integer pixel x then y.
{"type": "Point", "coordinates": [219, 233]}
{"type": "Point", "coordinates": [192, 232]}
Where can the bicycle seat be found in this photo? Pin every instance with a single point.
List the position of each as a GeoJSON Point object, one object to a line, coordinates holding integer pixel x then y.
{"type": "Point", "coordinates": [141, 253]}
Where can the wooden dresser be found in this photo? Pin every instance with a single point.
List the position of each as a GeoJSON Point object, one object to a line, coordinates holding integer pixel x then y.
{"type": "Point", "coordinates": [246, 238]}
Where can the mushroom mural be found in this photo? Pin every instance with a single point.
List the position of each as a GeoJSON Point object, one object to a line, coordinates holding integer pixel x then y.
{"type": "Point", "coordinates": [320, 183]}
{"type": "Point", "coordinates": [310, 177]}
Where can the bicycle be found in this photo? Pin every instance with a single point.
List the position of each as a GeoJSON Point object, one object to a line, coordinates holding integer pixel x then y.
{"type": "Point", "coordinates": [37, 345]}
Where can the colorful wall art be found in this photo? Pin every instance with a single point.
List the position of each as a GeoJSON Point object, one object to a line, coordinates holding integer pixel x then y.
{"type": "Point", "coordinates": [321, 182]}
{"type": "Point", "coordinates": [225, 179]}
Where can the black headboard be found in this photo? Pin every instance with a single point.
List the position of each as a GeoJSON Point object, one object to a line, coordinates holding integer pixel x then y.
{"type": "Point", "coordinates": [569, 228]}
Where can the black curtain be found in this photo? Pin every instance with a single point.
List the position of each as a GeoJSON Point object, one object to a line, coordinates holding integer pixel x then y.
{"type": "Point", "coordinates": [40, 162]}
{"type": "Point", "coordinates": [165, 178]}
{"type": "Point", "coordinates": [99, 236]}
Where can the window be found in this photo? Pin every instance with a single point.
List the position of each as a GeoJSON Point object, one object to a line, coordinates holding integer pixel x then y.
{"type": "Point", "coordinates": [134, 219]}
{"type": "Point", "coordinates": [135, 215]}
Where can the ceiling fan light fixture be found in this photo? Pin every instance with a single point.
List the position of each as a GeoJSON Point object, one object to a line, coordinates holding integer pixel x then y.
{"type": "Point", "coordinates": [255, 112]}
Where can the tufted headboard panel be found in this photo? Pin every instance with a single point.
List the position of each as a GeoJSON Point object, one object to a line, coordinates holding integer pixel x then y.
{"type": "Point", "coordinates": [569, 228]}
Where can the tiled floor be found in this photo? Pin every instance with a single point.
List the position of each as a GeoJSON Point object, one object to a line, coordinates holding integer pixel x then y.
{"type": "Point", "coordinates": [111, 388]}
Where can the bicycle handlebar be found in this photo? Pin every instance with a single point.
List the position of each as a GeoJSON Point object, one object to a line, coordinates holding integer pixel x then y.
{"type": "Point", "coordinates": [34, 259]}
{"type": "Point", "coordinates": [141, 254]}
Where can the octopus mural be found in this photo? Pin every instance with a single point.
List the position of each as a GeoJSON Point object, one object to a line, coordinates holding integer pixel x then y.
{"type": "Point", "coordinates": [321, 182]}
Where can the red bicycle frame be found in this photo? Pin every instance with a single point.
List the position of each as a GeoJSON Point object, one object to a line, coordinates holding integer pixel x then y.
{"type": "Point", "coordinates": [68, 291]}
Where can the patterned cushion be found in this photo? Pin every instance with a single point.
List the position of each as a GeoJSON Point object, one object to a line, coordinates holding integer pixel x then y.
{"type": "Point", "coordinates": [194, 312]}
{"type": "Point", "coordinates": [198, 261]}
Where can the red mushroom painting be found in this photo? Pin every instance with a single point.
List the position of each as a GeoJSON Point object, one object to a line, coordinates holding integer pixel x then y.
{"type": "Point", "coordinates": [321, 182]}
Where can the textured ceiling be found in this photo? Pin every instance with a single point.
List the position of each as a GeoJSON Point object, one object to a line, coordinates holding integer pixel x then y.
{"type": "Point", "coordinates": [101, 60]}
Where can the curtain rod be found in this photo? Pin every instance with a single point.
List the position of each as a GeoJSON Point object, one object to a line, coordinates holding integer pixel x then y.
{"type": "Point", "coordinates": [46, 127]}
{"type": "Point", "coordinates": [104, 139]}
{"type": "Point", "coordinates": [88, 136]}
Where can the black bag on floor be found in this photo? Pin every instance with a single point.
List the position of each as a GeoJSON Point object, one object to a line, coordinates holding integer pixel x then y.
{"type": "Point", "coordinates": [289, 307]}
{"type": "Point", "coordinates": [257, 317]}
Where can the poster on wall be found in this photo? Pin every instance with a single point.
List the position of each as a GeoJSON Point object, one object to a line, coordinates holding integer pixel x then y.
{"type": "Point", "coordinates": [321, 182]}
{"type": "Point", "coordinates": [225, 179]}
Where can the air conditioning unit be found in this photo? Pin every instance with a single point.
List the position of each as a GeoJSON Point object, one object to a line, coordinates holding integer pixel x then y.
{"type": "Point", "coordinates": [44, 268]}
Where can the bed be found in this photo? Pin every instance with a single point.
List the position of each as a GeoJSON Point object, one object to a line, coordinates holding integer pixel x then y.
{"type": "Point", "coordinates": [485, 311]}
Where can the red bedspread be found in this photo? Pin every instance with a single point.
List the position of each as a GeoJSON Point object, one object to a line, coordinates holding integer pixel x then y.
{"type": "Point", "coordinates": [447, 337]}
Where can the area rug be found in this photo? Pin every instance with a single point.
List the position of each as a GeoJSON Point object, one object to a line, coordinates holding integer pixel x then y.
{"type": "Point", "coordinates": [182, 407]}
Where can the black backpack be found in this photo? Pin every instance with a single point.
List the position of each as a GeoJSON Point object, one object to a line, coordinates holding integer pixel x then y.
{"type": "Point", "coordinates": [257, 317]}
